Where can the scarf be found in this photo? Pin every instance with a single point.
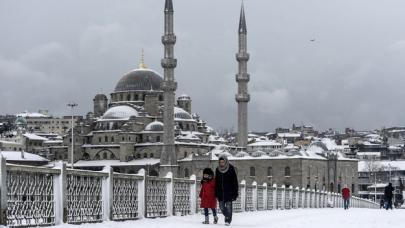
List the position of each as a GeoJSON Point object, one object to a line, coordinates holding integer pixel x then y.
{"type": "Point", "coordinates": [226, 167]}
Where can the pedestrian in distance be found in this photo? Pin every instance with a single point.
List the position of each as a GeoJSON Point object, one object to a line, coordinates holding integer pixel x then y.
{"type": "Point", "coordinates": [207, 195]}
{"type": "Point", "coordinates": [346, 197]}
{"type": "Point", "coordinates": [388, 194]}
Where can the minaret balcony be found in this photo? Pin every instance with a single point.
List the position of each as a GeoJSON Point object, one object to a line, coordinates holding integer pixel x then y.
{"type": "Point", "coordinates": [169, 63]}
{"type": "Point", "coordinates": [168, 86]}
{"type": "Point", "coordinates": [169, 39]}
{"type": "Point", "coordinates": [244, 97]}
{"type": "Point", "coordinates": [242, 56]}
{"type": "Point", "coordinates": [242, 77]}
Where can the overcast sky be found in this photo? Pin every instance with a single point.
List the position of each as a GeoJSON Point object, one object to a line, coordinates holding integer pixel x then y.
{"type": "Point", "coordinates": [351, 75]}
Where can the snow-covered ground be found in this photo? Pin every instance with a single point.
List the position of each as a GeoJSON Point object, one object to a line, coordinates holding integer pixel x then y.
{"type": "Point", "coordinates": [302, 218]}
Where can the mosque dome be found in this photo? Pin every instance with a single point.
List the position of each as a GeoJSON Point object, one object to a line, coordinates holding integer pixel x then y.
{"type": "Point", "coordinates": [139, 79]}
{"type": "Point", "coordinates": [180, 113]}
{"type": "Point", "coordinates": [123, 112]}
{"type": "Point", "coordinates": [154, 126]}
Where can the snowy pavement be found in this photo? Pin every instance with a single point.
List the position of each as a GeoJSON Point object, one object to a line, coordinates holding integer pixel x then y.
{"type": "Point", "coordinates": [300, 218]}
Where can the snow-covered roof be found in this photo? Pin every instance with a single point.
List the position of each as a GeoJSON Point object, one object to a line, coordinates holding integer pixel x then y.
{"type": "Point", "coordinates": [17, 156]}
{"type": "Point", "coordinates": [266, 143]}
{"type": "Point", "coordinates": [103, 163]}
{"type": "Point", "coordinates": [288, 135]}
{"type": "Point", "coordinates": [181, 114]}
{"type": "Point", "coordinates": [31, 136]}
{"type": "Point", "coordinates": [31, 114]}
{"type": "Point", "coordinates": [399, 165]}
{"type": "Point", "coordinates": [121, 112]}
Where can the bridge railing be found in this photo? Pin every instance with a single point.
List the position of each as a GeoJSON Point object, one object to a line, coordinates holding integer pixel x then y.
{"type": "Point", "coordinates": [35, 196]}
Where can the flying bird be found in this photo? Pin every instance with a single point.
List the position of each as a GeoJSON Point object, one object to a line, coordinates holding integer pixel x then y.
{"type": "Point", "coordinates": [312, 40]}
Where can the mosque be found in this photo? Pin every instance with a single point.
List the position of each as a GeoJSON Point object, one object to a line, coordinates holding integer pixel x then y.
{"type": "Point", "coordinates": [143, 125]}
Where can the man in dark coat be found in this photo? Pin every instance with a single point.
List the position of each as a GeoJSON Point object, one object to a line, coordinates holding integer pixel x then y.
{"type": "Point", "coordinates": [388, 195]}
{"type": "Point", "coordinates": [226, 187]}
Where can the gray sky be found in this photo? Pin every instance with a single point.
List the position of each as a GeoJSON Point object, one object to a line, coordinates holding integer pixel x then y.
{"type": "Point", "coordinates": [52, 52]}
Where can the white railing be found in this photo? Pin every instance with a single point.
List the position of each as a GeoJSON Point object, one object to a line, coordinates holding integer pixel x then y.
{"type": "Point", "coordinates": [34, 196]}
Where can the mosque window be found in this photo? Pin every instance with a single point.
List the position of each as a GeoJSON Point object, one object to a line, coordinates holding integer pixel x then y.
{"type": "Point", "coordinates": [106, 139]}
{"type": "Point", "coordinates": [269, 171]}
{"type": "Point", "coordinates": [185, 154]}
{"type": "Point", "coordinates": [145, 155]}
{"type": "Point", "coordinates": [99, 139]}
{"type": "Point", "coordinates": [112, 156]}
{"type": "Point", "coordinates": [160, 98]}
{"type": "Point", "coordinates": [138, 155]}
{"type": "Point", "coordinates": [157, 138]}
{"type": "Point", "coordinates": [128, 97]}
{"type": "Point", "coordinates": [122, 97]}
{"type": "Point", "coordinates": [104, 155]}
{"type": "Point", "coordinates": [252, 171]}
{"type": "Point", "coordinates": [287, 171]}
{"type": "Point", "coordinates": [112, 139]}
{"type": "Point", "coordinates": [151, 155]}
{"type": "Point", "coordinates": [136, 97]}
{"type": "Point", "coordinates": [186, 173]}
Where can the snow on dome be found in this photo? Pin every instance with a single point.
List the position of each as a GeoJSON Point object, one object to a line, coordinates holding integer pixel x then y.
{"type": "Point", "coordinates": [180, 113]}
{"type": "Point", "coordinates": [258, 154]}
{"type": "Point", "coordinates": [154, 126]}
{"type": "Point", "coordinates": [241, 154]}
{"type": "Point", "coordinates": [120, 112]}
{"type": "Point", "coordinates": [184, 97]}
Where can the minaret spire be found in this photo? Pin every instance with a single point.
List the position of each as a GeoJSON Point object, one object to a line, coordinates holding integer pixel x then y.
{"type": "Point", "coordinates": [142, 62]}
{"type": "Point", "coordinates": [242, 78]}
{"type": "Point", "coordinates": [242, 20]}
{"type": "Point", "coordinates": [168, 159]}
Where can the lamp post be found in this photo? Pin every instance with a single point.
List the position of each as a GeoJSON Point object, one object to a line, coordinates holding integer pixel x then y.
{"type": "Point", "coordinates": [72, 105]}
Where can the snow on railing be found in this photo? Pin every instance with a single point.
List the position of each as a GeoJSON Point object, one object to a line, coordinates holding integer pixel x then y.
{"type": "Point", "coordinates": [34, 196]}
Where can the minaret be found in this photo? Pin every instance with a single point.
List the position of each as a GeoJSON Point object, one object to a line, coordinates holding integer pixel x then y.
{"type": "Point", "coordinates": [168, 159]}
{"type": "Point", "coordinates": [242, 78]}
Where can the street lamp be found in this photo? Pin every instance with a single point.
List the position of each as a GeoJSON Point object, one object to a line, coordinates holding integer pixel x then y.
{"type": "Point", "coordinates": [72, 105]}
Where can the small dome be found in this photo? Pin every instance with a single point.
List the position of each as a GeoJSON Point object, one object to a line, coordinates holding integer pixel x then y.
{"type": "Point", "coordinates": [139, 79]}
{"type": "Point", "coordinates": [120, 112]}
{"type": "Point", "coordinates": [180, 113]}
{"type": "Point", "coordinates": [100, 97]}
{"type": "Point", "coordinates": [154, 126]}
{"type": "Point", "coordinates": [20, 121]}
{"type": "Point", "coordinates": [258, 154]}
{"type": "Point", "coordinates": [241, 154]}
{"type": "Point", "coordinates": [184, 97]}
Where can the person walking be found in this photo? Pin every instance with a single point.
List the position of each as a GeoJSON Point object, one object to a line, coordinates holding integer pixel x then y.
{"type": "Point", "coordinates": [207, 195]}
{"type": "Point", "coordinates": [388, 196]}
{"type": "Point", "coordinates": [346, 197]}
{"type": "Point", "coordinates": [226, 187]}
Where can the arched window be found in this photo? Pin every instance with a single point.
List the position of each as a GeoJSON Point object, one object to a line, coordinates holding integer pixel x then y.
{"type": "Point", "coordinates": [105, 138]}
{"type": "Point", "coordinates": [151, 155]}
{"type": "Point", "coordinates": [186, 173]}
{"type": "Point", "coordinates": [104, 155]}
{"type": "Point", "coordinates": [252, 171]}
{"type": "Point", "coordinates": [160, 98]}
{"type": "Point", "coordinates": [86, 156]}
{"type": "Point", "coordinates": [112, 156]}
{"type": "Point", "coordinates": [112, 139]}
{"type": "Point", "coordinates": [98, 157]}
{"type": "Point", "coordinates": [138, 155]}
{"type": "Point", "coordinates": [99, 139]}
{"type": "Point", "coordinates": [136, 97]}
{"type": "Point", "coordinates": [270, 171]}
{"type": "Point", "coordinates": [185, 154]}
{"type": "Point", "coordinates": [121, 97]}
{"type": "Point", "coordinates": [145, 155]}
{"type": "Point", "coordinates": [128, 97]}
{"type": "Point", "coordinates": [287, 171]}
{"type": "Point", "coordinates": [158, 138]}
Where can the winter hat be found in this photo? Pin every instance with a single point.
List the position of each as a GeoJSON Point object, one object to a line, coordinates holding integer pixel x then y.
{"type": "Point", "coordinates": [208, 171]}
